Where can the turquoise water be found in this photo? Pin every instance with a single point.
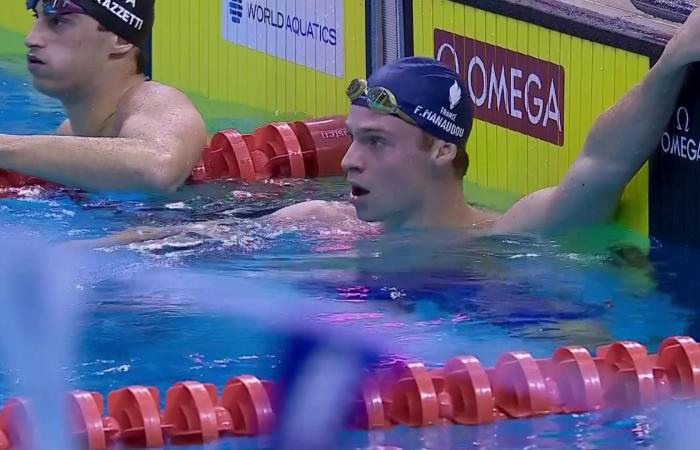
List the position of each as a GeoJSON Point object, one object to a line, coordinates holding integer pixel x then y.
{"type": "Point", "coordinates": [180, 308]}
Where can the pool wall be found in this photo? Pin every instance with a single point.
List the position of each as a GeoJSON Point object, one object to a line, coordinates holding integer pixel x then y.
{"type": "Point", "coordinates": [15, 21]}
{"type": "Point", "coordinates": [539, 71]}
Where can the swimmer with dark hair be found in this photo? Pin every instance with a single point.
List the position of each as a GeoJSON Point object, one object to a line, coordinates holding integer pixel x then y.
{"type": "Point", "coordinates": [124, 131]}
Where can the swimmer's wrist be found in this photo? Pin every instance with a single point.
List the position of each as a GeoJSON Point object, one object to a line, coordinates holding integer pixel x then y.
{"type": "Point", "coordinates": [676, 57]}
{"type": "Point", "coordinates": [669, 65]}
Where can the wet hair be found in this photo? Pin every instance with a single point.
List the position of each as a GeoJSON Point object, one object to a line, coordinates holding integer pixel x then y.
{"type": "Point", "coordinates": [141, 61]}
{"type": "Point", "coordinates": [460, 163]}
{"type": "Point", "coordinates": [141, 56]}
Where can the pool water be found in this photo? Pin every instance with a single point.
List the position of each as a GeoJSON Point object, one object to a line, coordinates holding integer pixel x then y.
{"type": "Point", "coordinates": [179, 308]}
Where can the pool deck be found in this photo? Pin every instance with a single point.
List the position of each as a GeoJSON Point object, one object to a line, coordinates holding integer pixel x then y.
{"type": "Point", "coordinates": [624, 10]}
{"type": "Point", "coordinates": [619, 17]}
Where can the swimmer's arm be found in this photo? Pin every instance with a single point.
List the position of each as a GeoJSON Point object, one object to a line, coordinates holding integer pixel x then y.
{"type": "Point", "coordinates": [620, 142]}
{"type": "Point", "coordinates": [158, 144]}
{"type": "Point", "coordinates": [316, 209]}
{"type": "Point", "coordinates": [126, 237]}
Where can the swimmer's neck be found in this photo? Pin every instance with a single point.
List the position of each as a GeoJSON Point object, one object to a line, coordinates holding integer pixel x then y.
{"type": "Point", "coordinates": [445, 208]}
{"type": "Point", "coordinates": [92, 109]}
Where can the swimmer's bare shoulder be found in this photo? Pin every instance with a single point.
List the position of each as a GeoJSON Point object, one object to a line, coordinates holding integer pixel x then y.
{"type": "Point", "coordinates": [158, 103]}
{"type": "Point", "coordinates": [317, 209]}
{"type": "Point", "coordinates": [152, 104]}
{"type": "Point", "coordinates": [486, 220]}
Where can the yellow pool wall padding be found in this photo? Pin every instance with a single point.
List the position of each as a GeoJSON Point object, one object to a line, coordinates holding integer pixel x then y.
{"type": "Point", "coordinates": [596, 77]}
{"type": "Point", "coordinates": [202, 61]}
{"type": "Point", "coordinates": [15, 22]}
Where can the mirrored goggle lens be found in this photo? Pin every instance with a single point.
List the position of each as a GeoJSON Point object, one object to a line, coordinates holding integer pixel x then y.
{"type": "Point", "coordinates": [356, 89]}
{"type": "Point", "coordinates": [382, 100]}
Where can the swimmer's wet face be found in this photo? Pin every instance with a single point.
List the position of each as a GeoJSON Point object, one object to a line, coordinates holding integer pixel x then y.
{"type": "Point", "coordinates": [67, 51]}
{"type": "Point", "coordinates": [397, 174]}
{"type": "Point", "coordinates": [389, 171]}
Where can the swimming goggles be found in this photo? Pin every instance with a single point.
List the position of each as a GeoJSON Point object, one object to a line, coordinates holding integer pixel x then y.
{"type": "Point", "coordinates": [379, 99]}
{"type": "Point", "coordinates": [53, 8]}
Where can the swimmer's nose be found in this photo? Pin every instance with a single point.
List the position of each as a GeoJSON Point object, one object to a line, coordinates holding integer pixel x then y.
{"type": "Point", "coordinates": [352, 160]}
{"type": "Point", "coordinates": [35, 38]}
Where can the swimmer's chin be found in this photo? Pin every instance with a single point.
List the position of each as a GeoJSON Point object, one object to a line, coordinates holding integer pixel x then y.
{"type": "Point", "coordinates": [366, 217]}
{"type": "Point", "coordinates": [42, 88]}
{"type": "Point", "coordinates": [45, 88]}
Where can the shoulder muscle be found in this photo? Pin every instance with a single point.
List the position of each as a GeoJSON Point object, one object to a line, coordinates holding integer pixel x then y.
{"type": "Point", "coordinates": [528, 214]}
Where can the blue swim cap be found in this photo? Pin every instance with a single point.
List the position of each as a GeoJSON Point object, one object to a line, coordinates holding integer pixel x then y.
{"type": "Point", "coordinates": [432, 94]}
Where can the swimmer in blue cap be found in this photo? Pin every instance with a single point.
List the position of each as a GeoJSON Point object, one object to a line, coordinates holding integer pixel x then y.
{"type": "Point", "coordinates": [410, 123]}
{"type": "Point", "coordinates": [123, 131]}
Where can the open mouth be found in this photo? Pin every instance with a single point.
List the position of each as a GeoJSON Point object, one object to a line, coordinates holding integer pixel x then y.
{"type": "Point", "coordinates": [358, 191]}
{"type": "Point", "coordinates": [31, 59]}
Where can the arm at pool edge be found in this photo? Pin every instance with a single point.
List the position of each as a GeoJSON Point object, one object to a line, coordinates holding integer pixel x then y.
{"type": "Point", "coordinates": [317, 209]}
{"type": "Point", "coordinates": [126, 237]}
{"type": "Point", "coordinates": [158, 144]}
{"type": "Point", "coordinates": [618, 145]}
{"type": "Point", "coordinates": [313, 209]}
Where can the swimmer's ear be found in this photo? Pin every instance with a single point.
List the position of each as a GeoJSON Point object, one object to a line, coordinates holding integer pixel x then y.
{"type": "Point", "coordinates": [120, 46]}
{"type": "Point", "coordinates": [443, 153]}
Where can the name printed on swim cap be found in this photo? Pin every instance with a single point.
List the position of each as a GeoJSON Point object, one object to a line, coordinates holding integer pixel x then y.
{"type": "Point", "coordinates": [125, 15]}
{"type": "Point", "coordinates": [440, 120]}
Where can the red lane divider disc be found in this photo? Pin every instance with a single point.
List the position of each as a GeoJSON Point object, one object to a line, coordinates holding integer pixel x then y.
{"type": "Point", "coordinates": [222, 149]}
{"type": "Point", "coordinates": [413, 400]}
{"type": "Point", "coordinates": [189, 409]}
{"type": "Point", "coordinates": [87, 411]}
{"type": "Point", "coordinates": [261, 163]}
{"type": "Point", "coordinates": [627, 374]}
{"type": "Point", "coordinates": [235, 151]}
{"type": "Point", "coordinates": [371, 411]}
{"type": "Point", "coordinates": [250, 406]}
{"type": "Point", "coordinates": [469, 389]}
{"type": "Point", "coordinates": [15, 424]}
{"type": "Point", "coordinates": [245, 162]}
{"type": "Point", "coordinates": [680, 358]}
{"type": "Point", "coordinates": [368, 412]}
{"type": "Point", "coordinates": [296, 158]}
{"type": "Point", "coordinates": [553, 395]}
{"type": "Point", "coordinates": [137, 410]}
{"type": "Point", "coordinates": [215, 166]}
{"type": "Point", "coordinates": [578, 379]}
{"type": "Point", "coordinates": [324, 142]}
{"type": "Point", "coordinates": [519, 387]}
{"type": "Point", "coordinates": [282, 139]}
